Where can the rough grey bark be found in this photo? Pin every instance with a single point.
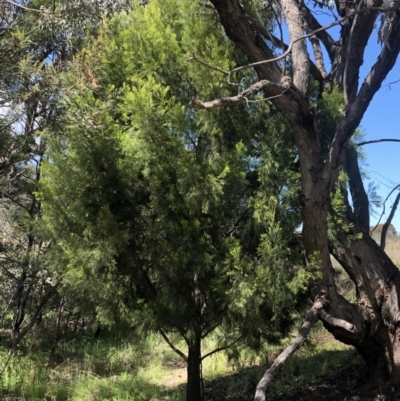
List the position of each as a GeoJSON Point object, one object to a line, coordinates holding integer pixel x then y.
{"type": "Point", "coordinates": [376, 313]}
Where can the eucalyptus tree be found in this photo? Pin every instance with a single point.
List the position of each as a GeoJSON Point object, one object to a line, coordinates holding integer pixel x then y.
{"type": "Point", "coordinates": [173, 220]}
{"type": "Point", "coordinates": [371, 323]}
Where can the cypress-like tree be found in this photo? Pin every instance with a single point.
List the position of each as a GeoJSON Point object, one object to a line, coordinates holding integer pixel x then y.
{"type": "Point", "coordinates": [172, 219]}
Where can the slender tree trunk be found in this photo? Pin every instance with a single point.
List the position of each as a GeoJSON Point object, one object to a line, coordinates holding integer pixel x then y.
{"type": "Point", "coordinates": [193, 389]}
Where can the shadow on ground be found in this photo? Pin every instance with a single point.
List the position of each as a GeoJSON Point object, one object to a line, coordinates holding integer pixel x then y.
{"type": "Point", "coordinates": [347, 382]}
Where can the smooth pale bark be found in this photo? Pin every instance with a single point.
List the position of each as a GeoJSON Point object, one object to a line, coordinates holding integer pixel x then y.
{"type": "Point", "coordinates": [317, 311]}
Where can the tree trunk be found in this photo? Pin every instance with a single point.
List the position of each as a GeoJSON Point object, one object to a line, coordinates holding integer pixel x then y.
{"type": "Point", "coordinates": [376, 313]}
{"type": "Point", "coordinates": [193, 389]}
{"type": "Point", "coordinates": [377, 282]}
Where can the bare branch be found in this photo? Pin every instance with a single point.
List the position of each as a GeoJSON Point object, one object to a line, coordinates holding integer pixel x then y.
{"type": "Point", "coordinates": [193, 57]}
{"type": "Point", "coordinates": [392, 83]}
{"type": "Point", "coordinates": [222, 103]}
{"type": "Point", "coordinates": [178, 351]}
{"type": "Point", "coordinates": [318, 56]}
{"type": "Point", "coordinates": [23, 7]}
{"type": "Point", "coordinates": [377, 141]}
{"type": "Point", "coordinates": [289, 48]}
{"type": "Point", "coordinates": [311, 318]}
{"type": "Point", "coordinates": [388, 221]}
{"type": "Point", "coordinates": [322, 35]}
{"type": "Point", "coordinates": [384, 206]}
{"type": "Point", "coordinates": [333, 321]}
{"type": "Point", "coordinates": [370, 86]}
{"type": "Point", "coordinates": [221, 348]}
{"type": "Point", "coordinates": [317, 311]}
{"type": "Point", "coordinates": [262, 30]}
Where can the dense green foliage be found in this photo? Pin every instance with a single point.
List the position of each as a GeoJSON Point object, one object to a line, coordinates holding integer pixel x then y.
{"type": "Point", "coordinates": [167, 218]}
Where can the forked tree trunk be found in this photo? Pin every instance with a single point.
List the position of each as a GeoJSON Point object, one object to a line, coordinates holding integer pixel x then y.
{"type": "Point", "coordinates": [193, 388]}
{"type": "Point", "coordinates": [376, 313]}
{"type": "Point", "coordinates": [377, 282]}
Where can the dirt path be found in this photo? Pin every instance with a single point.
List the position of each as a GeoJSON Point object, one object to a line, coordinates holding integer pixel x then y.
{"type": "Point", "coordinates": [177, 376]}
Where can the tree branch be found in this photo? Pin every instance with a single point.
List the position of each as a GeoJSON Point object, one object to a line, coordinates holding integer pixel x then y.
{"type": "Point", "coordinates": [224, 102]}
{"type": "Point", "coordinates": [221, 348]}
{"type": "Point", "coordinates": [357, 190]}
{"type": "Point", "coordinates": [178, 351]}
{"type": "Point", "coordinates": [321, 29]}
{"type": "Point", "coordinates": [212, 67]}
{"type": "Point", "coordinates": [300, 58]}
{"type": "Point", "coordinates": [311, 318]}
{"type": "Point", "coordinates": [384, 204]}
{"type": "Point", "coordinates": [370, 86]}
{"type": "Point", "coordinates": [318, 30]}
{"type": "Point", "coordinates": [315, 72]}
{"type": "Point", "coordinates": [318, 56]}
{"type": "Point", "coordinates": [377, 141]}
{"type": "Point", "coordinates": [333, 321]}
{"type": "Point", "coordinates": [23, 7]}
{"type": "Point", "coordinates": [388, 221]}
{"type": "Point", "coordinates": [297, 39]}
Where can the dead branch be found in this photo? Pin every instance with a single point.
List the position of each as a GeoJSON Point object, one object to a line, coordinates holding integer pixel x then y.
{"type": "Point", "coordinates": [333, 321]}
{"type": "Point", "coordinates": [312, 318]}
{"type": "Point", "coordinates": [225, 102]}
{"type": "Point", "coordinates": [317, 311]}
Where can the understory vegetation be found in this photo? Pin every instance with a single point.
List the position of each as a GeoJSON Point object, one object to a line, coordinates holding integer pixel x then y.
{"type": "Point", "coordinates": [134, 368]}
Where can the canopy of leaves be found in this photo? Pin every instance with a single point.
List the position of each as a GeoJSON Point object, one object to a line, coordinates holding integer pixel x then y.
{"type": "Point", "coordinates": [170, 217]}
